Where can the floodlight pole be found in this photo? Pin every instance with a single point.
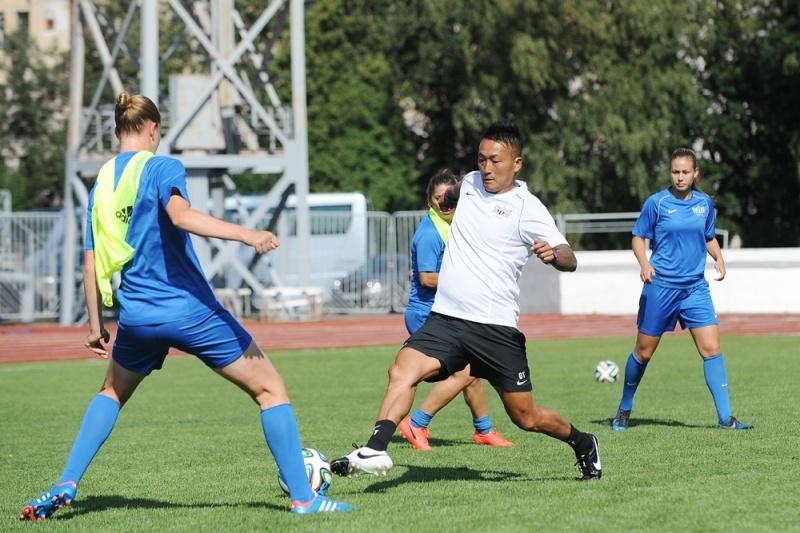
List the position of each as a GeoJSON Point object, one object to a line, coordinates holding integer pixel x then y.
{"type": "Point", "coordinates": [149, 50]}
{"type": "Point", "coordinates": [68, 274]}
{"type": "Point", "coordinates": [90, 145]}
{"type": "Point", "coordinates": [298, 157]}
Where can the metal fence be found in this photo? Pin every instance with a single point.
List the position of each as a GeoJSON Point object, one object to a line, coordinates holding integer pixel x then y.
{"type": "Point", "coordinates": [580, 227]}
{"type": "Point", "coordinates": [380, 284]}
{"type": "Point", "coordinates": [30, 257]}
{"type": "Point", "coordinates": [358, 264]}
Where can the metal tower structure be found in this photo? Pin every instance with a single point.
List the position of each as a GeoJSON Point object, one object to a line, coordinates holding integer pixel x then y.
{"type": "Point", "coordinates": [221, 115]}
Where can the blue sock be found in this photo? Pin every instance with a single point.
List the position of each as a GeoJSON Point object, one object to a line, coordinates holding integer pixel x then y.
{"type": "Point", "coordinates": [634, 370]}
{"type": "Point", "coordinates": [717, 381]}
{"type": "Point", "coordinates": [98, 421]}
{"type": "Point", "coordinates": [283, 439]}
{"type": "Point", "coordinates": [421, 419]}
{"type": "Point", "coordinates": [483, 425]}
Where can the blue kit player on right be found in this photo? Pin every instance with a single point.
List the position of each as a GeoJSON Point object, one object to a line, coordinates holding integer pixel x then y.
{"type": "Point", "coordinates": [680, 223]}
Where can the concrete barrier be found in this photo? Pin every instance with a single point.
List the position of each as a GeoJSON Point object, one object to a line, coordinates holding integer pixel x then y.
{"type": "Point", "coordinates": [758, 280]}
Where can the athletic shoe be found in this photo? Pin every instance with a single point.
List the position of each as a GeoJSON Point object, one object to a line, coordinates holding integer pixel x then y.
{"type": "Point", "coordinates": [734, 424]}
{"type": "Point", "coordinates": [589, 463]}
{"type": "Point", "coordinates": [621, 420]}
{"type": "Point", "coordinates": [493, 438]}
{"type": "Point", "coordinates": [49, 502]}
{"type": "Point", "coordinates": [418, 437]}
{"type": "Point", "coordinates": [320, 504]}
{"type": "Point", "coordinates": [362, 460]}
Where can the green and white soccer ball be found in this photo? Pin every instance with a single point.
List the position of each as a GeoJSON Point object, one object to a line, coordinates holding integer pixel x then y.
{"type": "Point", "coordinates": [606, 372]}
{"type": "Point", "coordinates": [318, 470]}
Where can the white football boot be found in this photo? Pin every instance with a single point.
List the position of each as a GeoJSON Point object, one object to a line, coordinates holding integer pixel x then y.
{"type": "Point", "coordinates": [362, 460]}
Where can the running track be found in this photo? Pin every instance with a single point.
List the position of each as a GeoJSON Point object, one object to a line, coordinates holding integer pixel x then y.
{"type": "Point", "coordinates": [41, 342]}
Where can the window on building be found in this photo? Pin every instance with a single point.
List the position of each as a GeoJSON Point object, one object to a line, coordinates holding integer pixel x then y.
{"type": "Point", "coordinates": [22, 23]}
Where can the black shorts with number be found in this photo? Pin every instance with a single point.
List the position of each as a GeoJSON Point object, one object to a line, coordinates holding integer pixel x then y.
{"type": "Point", "coordinates": [495, 353]}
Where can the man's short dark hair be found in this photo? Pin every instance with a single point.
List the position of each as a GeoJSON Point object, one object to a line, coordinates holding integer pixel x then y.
{"type": "Point", "coordinates": [505, 132]}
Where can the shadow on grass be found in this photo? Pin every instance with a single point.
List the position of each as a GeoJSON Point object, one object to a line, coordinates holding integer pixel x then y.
{"type": "Point", "coordinates": [651, 422]}
{"type": "Point", "coordinates": [93, 504]}
{"type": "Point", "coordinates": [427, 474]}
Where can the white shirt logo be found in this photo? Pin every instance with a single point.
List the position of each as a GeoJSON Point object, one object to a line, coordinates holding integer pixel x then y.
{"type": "Point", "coordinates": [502, 210]}
{"type": "Point", "coordinates": [670, 211]}
{"type": "Point", "coordinates": [699, 210]}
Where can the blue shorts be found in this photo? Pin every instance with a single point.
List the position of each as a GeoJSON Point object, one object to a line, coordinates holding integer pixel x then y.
{"type": "Point", "coordinates": [216, 338]}
{"type": "Point", "coordinates": [660, 308]}
{"type": "Point", "coordinates": [415, 319]}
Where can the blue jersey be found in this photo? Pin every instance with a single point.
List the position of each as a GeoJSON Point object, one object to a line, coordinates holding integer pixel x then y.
{"type": "Point", "coordinates": [427, 249]}
{"type": "Point", "coordinates": [678, 231]}
{"type": "Point", "coordinates": [163, 281]}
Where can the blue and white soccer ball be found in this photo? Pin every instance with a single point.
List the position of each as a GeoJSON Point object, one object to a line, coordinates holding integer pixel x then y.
{"type": "Point", "coordinates": [318, 470]}
{"type": "Point", "coordinates": [606, 372]}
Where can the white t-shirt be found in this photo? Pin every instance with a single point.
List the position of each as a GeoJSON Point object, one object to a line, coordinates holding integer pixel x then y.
{"type": "Point", "coordinates": [490, 241]}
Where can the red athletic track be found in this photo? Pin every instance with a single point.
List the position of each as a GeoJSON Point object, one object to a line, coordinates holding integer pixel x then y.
{"type": "Point", "coordinates": [40, 342]}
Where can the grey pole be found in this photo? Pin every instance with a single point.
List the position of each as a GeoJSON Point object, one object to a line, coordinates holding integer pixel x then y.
{"type": "Point", "coordinates": [149, 50]}
{"type": "Point", "coordinates": [299, 153]}
{"type": "Point", "coordinates": [71, 240]}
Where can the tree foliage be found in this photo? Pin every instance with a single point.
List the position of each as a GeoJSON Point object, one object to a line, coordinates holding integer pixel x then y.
{"type": "Point", "coordinates": [32, 124]}
{"type": "Point", "coordinates": [603, 90]}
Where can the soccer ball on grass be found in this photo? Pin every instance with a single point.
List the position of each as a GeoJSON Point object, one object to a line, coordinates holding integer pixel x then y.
{"type": "Point", "coordinates": [606, 372]}
{"type": "Point", "coordinates": [318, 470]}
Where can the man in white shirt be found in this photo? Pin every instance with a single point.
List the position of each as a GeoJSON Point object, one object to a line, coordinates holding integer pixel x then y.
{"type": "Point", "coordinates": [497, 227]}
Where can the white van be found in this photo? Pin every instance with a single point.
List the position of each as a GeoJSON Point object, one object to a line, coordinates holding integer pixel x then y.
{"type": "Point", "coordinates": [338, 242]}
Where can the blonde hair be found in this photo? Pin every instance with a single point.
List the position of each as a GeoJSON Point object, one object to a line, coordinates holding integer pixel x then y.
{"type": "Point", "coordinates": [131, 111]}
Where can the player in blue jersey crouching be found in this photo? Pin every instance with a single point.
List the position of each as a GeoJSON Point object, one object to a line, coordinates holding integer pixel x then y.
{"type": "Point", "coordinates": [139, 220]}
{"type": "Point", "coordinates": [680, 224]}
{"type": "Point", "coordinates": [427, 250]}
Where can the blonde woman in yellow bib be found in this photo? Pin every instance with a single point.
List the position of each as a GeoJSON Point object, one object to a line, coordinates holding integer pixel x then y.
{"type": "Point", "coordinates": [138, 224]}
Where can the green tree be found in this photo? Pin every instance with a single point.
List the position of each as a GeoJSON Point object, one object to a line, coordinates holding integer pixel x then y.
{"type": "Point", "coordinates": [751, 75]}
{"type": "Point", "coordinates": [32, 124]}
{"type": "Point", "coordinates": [357, 139]}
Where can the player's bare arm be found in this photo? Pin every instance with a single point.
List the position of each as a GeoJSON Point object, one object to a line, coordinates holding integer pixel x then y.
{"type": "Point", "coordinates": [716, 254]}
{"type": "Point", "coordinates": [199, 223]}
{"type": "Point", "coordinates": [429, 279]}
{"type": "Point", "coordinates": [562, 258]}
{"type": "Point", "coordinates": [646, 272]}
{"type": "Point", "coordinates": [97, 331]}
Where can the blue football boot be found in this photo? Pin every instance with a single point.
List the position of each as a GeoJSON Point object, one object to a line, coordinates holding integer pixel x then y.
{"type": "Point", "coordinates": [734, 424]}
{"type": "Point", "coordinates": [321, 504]}
{"type": "Point", "coordinates": [59, 495]}
{"type": "Point", "coordinates": [621, 420]}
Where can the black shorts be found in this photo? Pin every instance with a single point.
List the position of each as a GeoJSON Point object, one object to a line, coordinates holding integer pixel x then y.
{"type": "Point", "coordinates": [495, 353]}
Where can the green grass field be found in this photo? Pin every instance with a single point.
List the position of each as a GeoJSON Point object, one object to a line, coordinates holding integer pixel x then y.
{"type": "Point", "coordinates": [188, 453]}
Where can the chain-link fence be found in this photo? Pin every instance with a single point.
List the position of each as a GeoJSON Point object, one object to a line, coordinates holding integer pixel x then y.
{"type": "Point", "coordinates": [360, 262]}
{"type": "Point", "coordinates": [30, 259]}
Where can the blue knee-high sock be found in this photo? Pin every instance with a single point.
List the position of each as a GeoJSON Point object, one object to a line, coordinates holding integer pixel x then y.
{"type": "Point", "coordinates": [717, 381]}
{"type": "Point", "coordinates": [283, 439]}
{"type": "Point", "coordinates": [634, 370]}
{"type": "Point", "coordinates": [98, 421]}
{"type": "Point", "coordinates": [421, 419]}
{"type": "Point", "coordinates": [483, 424]}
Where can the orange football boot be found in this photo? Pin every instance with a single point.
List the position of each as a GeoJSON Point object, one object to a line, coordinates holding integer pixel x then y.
{"type": "Point", "coordinates": [493, 438]}
{"type": "Point", "coordinates": [418, 437]}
